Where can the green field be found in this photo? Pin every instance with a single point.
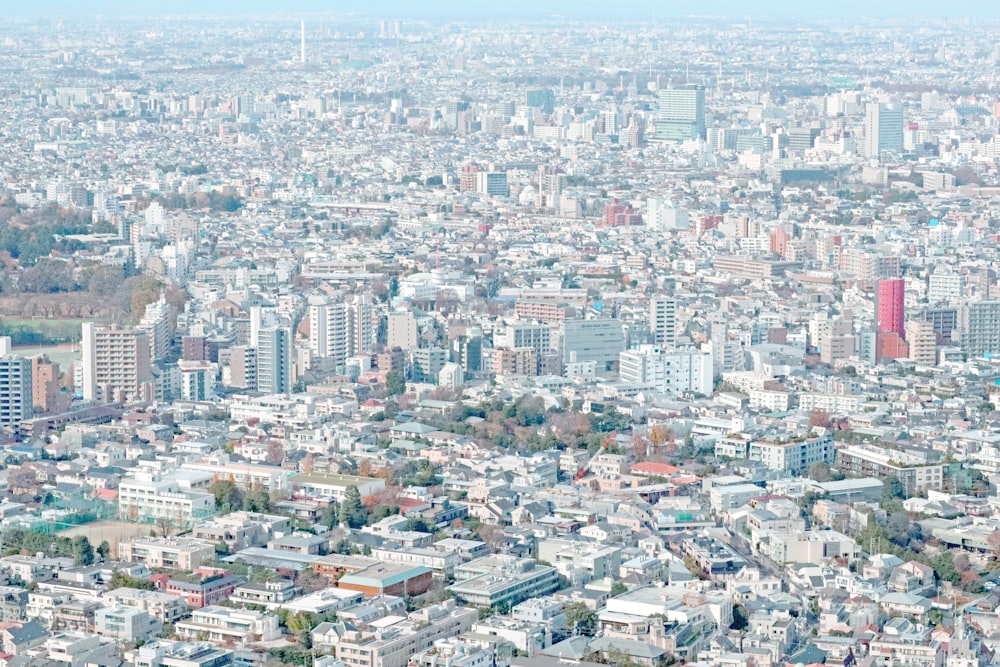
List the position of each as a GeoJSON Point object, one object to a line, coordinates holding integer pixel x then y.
{"type": "Point", "coordinates": [61, 354]}
{"type": "Point", "coordinates": [27, 332]}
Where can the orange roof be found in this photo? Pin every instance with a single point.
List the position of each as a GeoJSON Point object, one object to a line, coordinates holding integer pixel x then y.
{"type": "Point", "coordinates": [106, 494]}
{"type": "Point", "coordinates": [656, 468]}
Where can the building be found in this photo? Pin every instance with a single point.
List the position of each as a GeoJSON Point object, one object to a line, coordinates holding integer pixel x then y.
{"type": "Point", "coordinates": [426, 364]}
{"type": "Point", "coordinates": [222, 625]}
{"type": "Point", "coordinates": [516, 361]}
{"type": "Point", "coordinates": [883, 129]}
{"type": "Point", "coordinates": [274, 360]}
{"type": "Point", "coordinates": [16, 388]}
{"type": "Point", "coordinates": [202, 588]}
{"type": "Point", "coordinates": [922, 341]}
{"type": "Point", "coordinates": [126, 623]}
{"type": "Point", "coordinates": [179, 498]}
{"type": "Point", "coordinates": [168, 553]}
{"type": "Point", "coordinates": [889, 306]}
{"type": "Point", "coordinates": [328, 330]}
{"type": "Point", "coordinates": [663, 321]}
{"type": "Point", "coordinates": [167, 608]}
{"type": "Point", "coordinates": [682, 114]}
{"type": "Point", "coordinates": [246, 476]}
{"type": "Point", "coordinates": [156, 323]}
{"type": "Point", "coordinates": [318, 485]}
{"type": "Point", "coordinates": [166, 653]}
{"type": "Point", "coordinates": [793, 456]}
{"type": "Point", "coordinates": [116, 364]}
{"type": "Point", "coordinates": [392, 641]}
{"type": "Point", "coordinates": [45, 389]}
{"type": "Point", "coordinates": [671, 371]}
{"type": "Point", "coordinates": [389, 578]}
{"type": "Point", "coordinates": [197, 380]}
{"type": "Point", "coordinates": [599, 341]}
{"type": "Point", "coordinates": [914, 471]}
{"type": "Point", "coordinates": [978, 325]}
{"type": "Point", "coordinates": [503, 582]}
{"type": "Point", "coordinates": [402, 331]}
{"type": "Point", "coordinates": [492, 183]}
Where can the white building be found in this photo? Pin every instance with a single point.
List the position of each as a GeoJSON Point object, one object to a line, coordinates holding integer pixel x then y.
{"type": "Point", "coordinates": [671, 371]}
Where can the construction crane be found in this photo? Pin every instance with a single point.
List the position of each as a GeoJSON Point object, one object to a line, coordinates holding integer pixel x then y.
{"type": "Point", "coordinates": [586, 468]}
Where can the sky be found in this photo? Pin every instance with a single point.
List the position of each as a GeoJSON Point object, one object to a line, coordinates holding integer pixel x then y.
{"type": "Point", "coordinates": [470, 9]}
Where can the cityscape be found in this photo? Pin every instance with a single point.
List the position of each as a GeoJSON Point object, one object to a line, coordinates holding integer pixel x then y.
{"type": "Point", "coordinates": [515, 336]}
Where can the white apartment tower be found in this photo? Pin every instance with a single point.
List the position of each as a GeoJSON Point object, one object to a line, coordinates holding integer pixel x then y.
{"type": "Point", "coordinates": [328, 330]}
{"type": "Point", "coordinates": [663, 321]}
{"type": "Point", "coordinates": [116, 364]}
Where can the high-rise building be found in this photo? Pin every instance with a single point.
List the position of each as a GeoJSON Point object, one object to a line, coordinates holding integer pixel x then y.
{"type": "Point", "coordinates": [45, 385]}
{"type": "Point", "coordinates": [328, 330]}
{"type": "Point", "coordinates": [600, 341]}
{"type": "Point", "coordinates": [274, 359]}
{"type": "Point", "coordinates": [922, 341]}
{"type": "Point", "coordinates": [670, 371]}
{"type": "Point", "coordinates": [426, 363]}
{"type": "Point", "coordinates": [16, 389]}
{"type": "Point", "coordinates": [402, 330]}
{"type": "Point", "coordinates": [883, 129]}
{"type": "Point", "coordinates": [682, 113]}
{"type": "Point", "coordinates": [978, 328]}
{"type": "Point", "coordinates": [116, 364]}
{"type": "Point", "coordinates": [362, 325]}
{"type": "Point", "coordinates": [889, 306]}
{"type": "Point", "coordinates": [242, 367]}
{"type": "Point", "coordinates": [663, 321]}
{"type": "Point", "coordinates": [156, 323]}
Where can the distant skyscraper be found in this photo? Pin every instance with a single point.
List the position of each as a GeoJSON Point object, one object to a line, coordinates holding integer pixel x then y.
{"type": "Point", "coordinates": [883, 129]}
{"type": "Point", "coordinates": [682, 113]}
{"type": "Point", "coordinates": [274, 360]}
{"type": "Point", "coordinates": [889, 306]}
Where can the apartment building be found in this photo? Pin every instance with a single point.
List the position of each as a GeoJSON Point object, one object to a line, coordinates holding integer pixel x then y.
{"type": "Point", "coordinates": [914, 471]}
{"type": "Point", "coordinates": [175, 553]}
{"type": "Point", "coordinates": [222, 625]}
{"type": "Point", "coordinates": [503, 582]}
{"type": "Point", "coordinates": [393, 640]}
{"type": "Point", "coordinates": [794, 455]}
{"type": "Point", "coordinates": [167, 608]}
{"type": "Point", "coordinates": [116, 364]}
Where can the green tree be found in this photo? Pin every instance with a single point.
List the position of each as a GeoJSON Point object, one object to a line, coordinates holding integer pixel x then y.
{"type": "Point", "coordinates": [104, 549]}
{"type": "Point", "coordinates": [581, 619]}
{"type": "Point", "coordinates": [893, 489]}
{"type": "Point", "coordinates": [352, 511]}
{"type": "Point", "coordinates": [618, 588]}
{"type": "Point", "coordinates": [83, 552]}
{"type": "Point", "coordinates": [395, 383]}
{"type": "Point", "coordinates": [228, 496]}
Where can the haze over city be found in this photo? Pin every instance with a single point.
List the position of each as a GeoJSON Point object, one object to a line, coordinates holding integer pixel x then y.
{"type": "Point", "coordinates": [523, 334]}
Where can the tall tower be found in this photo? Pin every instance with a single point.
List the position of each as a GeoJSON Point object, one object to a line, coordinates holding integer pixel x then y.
{"type": "Point", "coordinates": [663, 321]}
{"type": "Point", "coordinates": [889, 306]}
{"type": "Point", "coordinates": [303, 39]}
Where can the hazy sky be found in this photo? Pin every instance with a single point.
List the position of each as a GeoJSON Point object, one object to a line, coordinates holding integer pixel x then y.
{"type": "Point", "coordinates": [523, 8]}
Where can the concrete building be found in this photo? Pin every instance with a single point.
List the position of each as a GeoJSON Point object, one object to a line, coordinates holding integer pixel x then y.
{"type": "Point", "coordinates": [793, 456]}
{"type": "Point", "coordinates": [915, 472]}
{"type": "Point", "coordinates": [682, 114]}
{"type": "Point", "coordinates": [922, 341]}
{"type": "Point", "coordinates": [16, 389]}
{"type": "Point", "coordinates": [671, 371]}
{"type": "Point", "coordinates": [402, 331]}
{"type": "Point", "coordinates": [222, 625]}
{"type": "Point", "coordinates": [883, 129]}
{"type": "Point", "coordinates": [168, 553]}
{"type": "Point", "coordinates": [179, 498]}
{"type": "Point", "coordinates": [663, 321]}
{"type": "Point", "coordinates": [328, 330]}
{"type": "Point", "coordinates": [116, 364]}
{"type": "Point", "coordinates": [599, 341]}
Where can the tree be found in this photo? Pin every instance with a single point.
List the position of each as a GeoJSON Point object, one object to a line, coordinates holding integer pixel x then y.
{"type": "Point", "coordinates": [820, 472]}
{"type": "Point", "coordinates": [275, 452]}
{"type": "Point", "coordinates": [83, 552]}
{"type": "Point", "coordinates": [308, 463]}
{"type": "Point", "coordinates": [104, 549]}
{"type": "Point", "coordinates": [352, 510]}
{"type": "Point", "coordinates": [893, 489]}
{"type": "Point", "coordinates": [228, 496]}
{"type": "Point", "coordinates": [581, 618]}
{"type": "Point", "coordinates": [819, 418]}
{"type": "Point", "coordinates": [618, 588]}
{"type": "Point", "coordinates": [741, 619]}
{"type": "Point", "coordinates": [395, 383]}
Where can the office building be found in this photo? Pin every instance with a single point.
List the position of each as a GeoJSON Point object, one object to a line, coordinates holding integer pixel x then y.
{"type": "Point", "coordinates": [682, 114]}
{"type": "Point", "coordinates": [889, 306]}
{"type": "Point", "coordinates": [883, 129]}
{"type": "Point", "coordinates": [492, 183]}
{"type": "Point", "coordinates": [426, 363]}
{"type": "Point", "coordinates": [599, 341]}
{"type": "Point", "coordinates": [116, 364]}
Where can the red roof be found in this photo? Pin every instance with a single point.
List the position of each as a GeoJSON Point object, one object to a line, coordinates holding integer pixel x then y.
{"type": "Point", "coordinates": [106, 495]}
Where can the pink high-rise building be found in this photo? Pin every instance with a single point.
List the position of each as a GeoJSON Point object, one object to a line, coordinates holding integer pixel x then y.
{"type": "Point", "coordinates": [889, 306]}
